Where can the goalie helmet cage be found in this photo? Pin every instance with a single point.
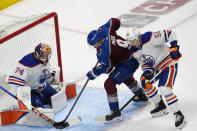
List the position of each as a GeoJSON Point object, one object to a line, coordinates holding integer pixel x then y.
{"type": "Point", "coordinates": [20, 37]}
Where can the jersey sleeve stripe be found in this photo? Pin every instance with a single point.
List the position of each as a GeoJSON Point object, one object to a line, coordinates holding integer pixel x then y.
{"type": "Point", "coordinates": [144, 67]}
{"type": "Point", "coordinates": [165, 36]}
{"type": "Point", "coordinates": [15, 83]}
{"type": "Point", "coordinates": [168, 32]}
{"type": "Point", "coordinates": [13, 77]}
{"type": "Point", "coordinates": [163, 63]}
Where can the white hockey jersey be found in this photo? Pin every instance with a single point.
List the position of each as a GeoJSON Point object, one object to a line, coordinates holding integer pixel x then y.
{"type": "Point", "coordinates": [154, 49]}
{"type": "Point", "coordinates": [29, 72]}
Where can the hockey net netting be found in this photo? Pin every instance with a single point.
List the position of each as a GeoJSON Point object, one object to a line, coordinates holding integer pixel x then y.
{"type": "Point", "coordinates": [21, 36]}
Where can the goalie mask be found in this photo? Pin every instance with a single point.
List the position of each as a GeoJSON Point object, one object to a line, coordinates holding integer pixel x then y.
{"type": "Point", "coordinates": [43, 52]}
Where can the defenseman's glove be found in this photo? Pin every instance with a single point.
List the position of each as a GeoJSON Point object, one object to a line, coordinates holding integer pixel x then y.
{"type": "Point", "coordinates": [147, 75]}
{"type": "Point", "coordinates": [174, 51]}
{"type": "Point", "coordinates": [92, 74]}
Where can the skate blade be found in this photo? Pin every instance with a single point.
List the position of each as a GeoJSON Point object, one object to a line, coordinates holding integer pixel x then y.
{"type": "Point", "coordinates": [115, 120]}
{"type": "Point", "coordinates": [160, 113]}
{"type": "Point", "coordinates": [182, 125]}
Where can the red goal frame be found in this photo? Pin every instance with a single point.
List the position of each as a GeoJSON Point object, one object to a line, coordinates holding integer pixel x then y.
{"type": "Point", "coordinates": [44, 18]}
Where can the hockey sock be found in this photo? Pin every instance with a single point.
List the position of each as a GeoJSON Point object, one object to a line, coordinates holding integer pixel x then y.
{"type": "Point", "coordinates": [171, 98]}
{"type": "Point", "coordinates": [113, 101]}
{"type": "Point", "coordinates": [133, 85]}
{"type": "Point", "coordinates": [153, 94]}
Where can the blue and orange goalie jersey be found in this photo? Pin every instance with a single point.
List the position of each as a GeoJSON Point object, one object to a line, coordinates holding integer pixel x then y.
{"type": "Point", "coordinates": [29, 72]}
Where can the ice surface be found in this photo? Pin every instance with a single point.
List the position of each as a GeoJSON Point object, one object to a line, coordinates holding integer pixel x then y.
{"type": "Point", "coordinates": [76, 19]}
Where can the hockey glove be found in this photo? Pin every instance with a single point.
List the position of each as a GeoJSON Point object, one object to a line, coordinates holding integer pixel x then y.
{"type": "Point", "coordinates": [174, 52]}
{"type": "Point", "coordinates": [146, 77]}
{"type": "Point", "coordinates": [92, 75]}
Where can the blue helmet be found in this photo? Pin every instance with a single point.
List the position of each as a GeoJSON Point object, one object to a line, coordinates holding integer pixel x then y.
{"type": "Point", "coordinates": [94, 36]}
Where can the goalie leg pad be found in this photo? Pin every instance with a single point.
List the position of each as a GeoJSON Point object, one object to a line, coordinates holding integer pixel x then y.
{"type": "Point", "coordinates": [23, 93]}
{"type": "Point", "coordinates": [59, 100]}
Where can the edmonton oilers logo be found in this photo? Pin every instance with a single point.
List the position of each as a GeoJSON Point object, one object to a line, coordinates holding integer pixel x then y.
{"type": "Point", "coordinates": [147, 59]}
{"type": "Point", "coordinates": [43, 76]}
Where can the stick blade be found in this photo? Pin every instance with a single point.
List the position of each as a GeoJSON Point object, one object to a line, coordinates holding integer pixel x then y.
{"type": "Point", "coordinates": [63, 124]}
{"type": "Point", "coordinates": [103, 119]}
{"type": "Point", "coordinates": [100, 118]}
{"type": "Point", "coordinates": [60, 125]}
{"type": "Point", "coordinates": [74, 121]}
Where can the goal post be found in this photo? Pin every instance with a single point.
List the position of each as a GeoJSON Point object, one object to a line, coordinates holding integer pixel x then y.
{"type": "Point", "coordinates": [20, 37]}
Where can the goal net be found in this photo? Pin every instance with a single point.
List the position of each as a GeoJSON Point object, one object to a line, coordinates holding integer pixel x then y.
{"type": "Point", "coordinates": [20, 37]}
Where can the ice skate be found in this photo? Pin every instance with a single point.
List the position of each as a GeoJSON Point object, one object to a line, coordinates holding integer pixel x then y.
{"type": "Point", "coordinates": [180, 121]}
{"type": "Point", "coordinates": [160, 110]}
{"type": "Point", "coordinates": [114, 116]}
{"type": "Point", "coordinates": [140, 96]}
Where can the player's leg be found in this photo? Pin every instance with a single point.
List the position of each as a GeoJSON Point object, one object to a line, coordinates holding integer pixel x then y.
{"type": "Point", "coordinates": [153, 95]}
{"type": "Point", "coordinates": [133, 85]}
{"type": "Point", "coordinates": [47, 92]}
{"type": "Point", "coordinates": [117, 76]}
{"type": "Point", "coordinates": [112, 98]}
{"type": "Point", "coordinates": [36, 99]}
{"type": "Point", "coordinates": [166, 83]}
{"type": "Point", "coordinates": [121, 73]}
{"type": "Point", "coordinates": [128, 69]}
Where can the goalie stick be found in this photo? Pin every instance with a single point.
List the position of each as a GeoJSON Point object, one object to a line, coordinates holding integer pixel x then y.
{"type": "Point", "coordinates": [57, 125]}
{"type": "Point", "coordinates": [103, 118]}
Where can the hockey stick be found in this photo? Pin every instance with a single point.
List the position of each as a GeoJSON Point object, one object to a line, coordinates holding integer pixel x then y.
{"type": "Point", "coordinates": [118, 111]}
{"type": "Point", "coordinates": [162, 69]}
{"type": "Point", "coordinates": [43, 116]}
{"type": "Point", "coordinates": [59, 123]}
{"type": "Point", "coordinates": [102, 118]}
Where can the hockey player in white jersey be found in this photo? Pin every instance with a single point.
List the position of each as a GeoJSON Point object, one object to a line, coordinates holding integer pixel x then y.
{"type": "Point", "coordinates": [33, 70]}
{"type": "Point", "coordinates": [153, 53]}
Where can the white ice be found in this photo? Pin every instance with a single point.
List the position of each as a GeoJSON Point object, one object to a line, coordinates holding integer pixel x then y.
{"type": "Point", "coordinates": [77, 18]}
